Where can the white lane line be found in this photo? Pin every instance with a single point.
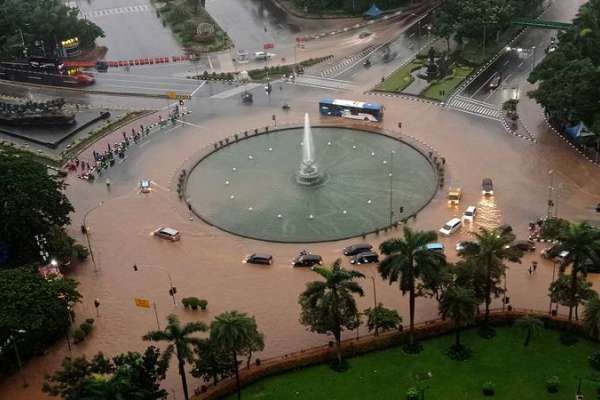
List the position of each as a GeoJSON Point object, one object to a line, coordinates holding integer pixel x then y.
{"type": "Point", "coordinates": [137, 87]}
{"type": "Point", "coordinates": [318, 86]}
{"type": "Point", "coordinates": [210, 64]}
{"type": "Point", "coordinates": [506, 63]}
{"type": "Point", "coordinates": [520, 65]}
{"type": "Point", "coordinates": [198, 88]}
{"type": "Point", "coordinates": [190, 124]}
{"type": "Point", "coordinates": [484, 83]}
{"type": "Point", "coordinates": [147, 82]}
{"type": "Point", "coordinates": [152, 77]}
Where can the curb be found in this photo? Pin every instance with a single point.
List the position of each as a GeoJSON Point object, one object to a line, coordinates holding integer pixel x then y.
{"type": "Point", "coordinates": [574, 147]}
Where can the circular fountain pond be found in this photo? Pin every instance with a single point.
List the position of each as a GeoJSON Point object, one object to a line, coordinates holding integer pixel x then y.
{"type": "Point", "coordinates": [264, 187]}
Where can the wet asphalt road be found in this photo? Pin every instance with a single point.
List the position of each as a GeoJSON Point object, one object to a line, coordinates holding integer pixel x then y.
{"type": "Point", "coordinates": [514, 65]}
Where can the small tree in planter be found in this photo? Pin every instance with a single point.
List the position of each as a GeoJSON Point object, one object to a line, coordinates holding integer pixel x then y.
{"type": "Point", "coordinates": [202, 304]}
{"type": "Point", "coordinates": [488, 389]}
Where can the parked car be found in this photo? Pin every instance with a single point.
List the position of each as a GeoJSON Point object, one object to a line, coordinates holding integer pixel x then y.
{"type": "Point", "coordinates": [167, 233]}
{"type": "Point", "coordinates": [495, 82]}
{"type": "Point", "coordinates": [307, 260]}
{"type": "Point", "coordinates": [145, 186]}
{"type": "Point", "coordinates": [504, 229]}
{"type": "Point", "coordinates": [451, 226]}
{"type": "Point", "coordinates": [436, 247]}
{"type": "Point", "coordinates": [261, 55]}
{"type": "Point", "coordinates": [523, 245]}
{"type": "Point", "coordinates": [487, 187]}
{"type": "Point", "coordinates": [101, 66]}
{"type": "Point", "coordinates": [357, 249]}
{"type": "Point", "coordinates": [460, 248]}
{"type": "Point", "coordinates": [365, 258]}
{"type": "Point", "coordinates": [470, 213]}
{"type": "Point", "coordinates": [259, 258]}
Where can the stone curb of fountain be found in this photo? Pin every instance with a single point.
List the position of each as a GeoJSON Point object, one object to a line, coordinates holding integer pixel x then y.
{"type": "Point", "coordinates": [193, 160]}
{"type": "Point", "coordinates": [577, 149]}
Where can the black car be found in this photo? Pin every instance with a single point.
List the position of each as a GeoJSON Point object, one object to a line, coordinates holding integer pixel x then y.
{"type": "Point", "coordinates": [307, 260]}
{"type": "Point", "coordinates": [357, 249]}
{"type": "Point", "coordinates": [365, 258]}
{"type": "Point", "coordinates": [259, 258]}
{"type": "Point", "coordinates": [504, 229]}
{"type": "Point", "coordinates": [101, 66]}
{"type": "Point", "coordinates": [495, 82]}
{"type": "Point", "coordinates": [487, 187]}
{"type": "Point", "coordinates": [523, 245]}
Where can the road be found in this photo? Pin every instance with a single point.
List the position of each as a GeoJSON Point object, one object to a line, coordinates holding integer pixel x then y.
{"type": "Point", "coordinates": [514, 65]}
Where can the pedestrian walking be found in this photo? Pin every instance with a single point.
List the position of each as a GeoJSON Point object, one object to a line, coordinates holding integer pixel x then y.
{"type": "Point", "coordinates": [534, 265]}
{"type": "Point", "coordinates": [124, 135]}
{"type": "Point", "coordinates": [108, 187]}
{"type": "Point", "coordinates": [530, 270]}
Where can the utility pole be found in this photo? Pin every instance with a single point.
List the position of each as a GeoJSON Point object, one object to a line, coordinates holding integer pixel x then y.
{"type": "Point", "coordinates": [391, 175]}
{"type": "Point", "coordinates": [550, 192]}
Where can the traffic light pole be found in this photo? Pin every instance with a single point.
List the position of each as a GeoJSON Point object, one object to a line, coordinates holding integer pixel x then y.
{"type": "Point", "coordinates": [172, 289]}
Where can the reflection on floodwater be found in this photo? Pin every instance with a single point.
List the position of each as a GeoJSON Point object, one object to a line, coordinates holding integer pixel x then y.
{"type": "Point", "coordinates": [488, 214]}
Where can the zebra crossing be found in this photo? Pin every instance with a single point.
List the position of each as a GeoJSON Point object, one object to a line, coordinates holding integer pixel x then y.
{"type": "Point", "coordinates": [321, 82]}
{"type": "Point", "coordinates": [117, 11]}
{"type": "Point", "coordinates": [476, 107]}
{"type": "Point", "coordinates": [347, 62]}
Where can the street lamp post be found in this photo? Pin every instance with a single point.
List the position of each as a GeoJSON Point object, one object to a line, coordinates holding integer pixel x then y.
{"type": "Point", "coordinates": [13, 339]}
{"type": "Point", "coordinates": [550, 192]}
{"type": "Point", "coordinates": [532, 57]}
{"type": "Point", "coordinates": [550, 295]}
{"type": "Point", "coordinates": [85, 230]}
{"type": "Point", "coordinates": [391, 175]}
{"type": "Point", "coordinates": [172, 289]}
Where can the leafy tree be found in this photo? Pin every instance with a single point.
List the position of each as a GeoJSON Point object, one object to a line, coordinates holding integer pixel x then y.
{"type": "Point", "coordinates": [212, 362]}
{"type": "Point", "coordinates": [32, 203]}
{"type": "Point", "coordinates": [126, 376]}
{"type": "Point", "coordinates": [562, 292]}
{"type": "Point", "coordinates": [235, 333]}
{"type": "Point", "coordinates": [568, 78]}
{"type": "Point", "coordinates": [408, 261]}
{"type": "Point", "coordinates": [531, 326]}
{"type": "Point", "coordinates": [458, 304]}
{"type": "Point", "coordinates": [488, 255]}
{"type": "Point", "coordinates": [382, 318]}
{"type": "Point", "coordinates": [591, 317]}
{"type": "Point", "coordinates": [35, 305]}
{"type": "Point", "coordinates": [582, 241]}
{"type": "Point", "coordinates": [329, 306]}
{"type": "Point", "coordinates": [46, 22]}
{"type": "Point", "coordinates": [179, 339]}
{"type": "Point", "coordinates": [257, 343]}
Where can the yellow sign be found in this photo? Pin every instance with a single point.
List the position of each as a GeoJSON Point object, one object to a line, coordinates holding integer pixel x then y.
{"type": "Point", "coordinates": [172, 95]}
{"type": "Point", "coordinates": [142, 303]}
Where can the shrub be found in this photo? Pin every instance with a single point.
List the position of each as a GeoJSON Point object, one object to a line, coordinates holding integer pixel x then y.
{"type": "Point", "coordinates": [412, 394]}
{"type": "Point", "coordinates": [552, 384]}
{"type": "Point", "coordinates": [594, 360]}
{"type": "Point", "coordinates": [568, 338]}
{"type": "Point", "coordinates": [203, 303]}
{"type": "Point", "coordinates": [86, 328]}
{"type": "Point", "coordinates": [488, 389]}
{"type": "Point", "coordinates": [459, 353]}
{"type": "Point", "coordinates": [78, 335]}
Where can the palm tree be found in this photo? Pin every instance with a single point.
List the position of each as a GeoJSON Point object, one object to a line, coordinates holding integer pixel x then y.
{"type": "Point", "coordinates": [488, 255]}
{"type": "Point", "coordinates": [237, 334]}
{"type": "Point", "coordinates": [329, 306]}
{"type": "Point", "coordinates": [582, 241]}
{"type": "Point", "coordinates": [458, 304]}
{"type": "Point", "coordinates": [407, 261]}
{"type": "Point", "coordinates": [591, 317]}
{"type": "Point", "coordinates": [180, 340]}
{"type": "Point", "coordinates": [531, 326]}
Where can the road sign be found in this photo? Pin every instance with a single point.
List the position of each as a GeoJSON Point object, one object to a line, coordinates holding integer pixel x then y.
{"type": "Point", "coordinates": [267, 46]}
{"type": "Point", "coordinates": [142, 303]}
{"type": "Point", "coordinates": [172, 95]}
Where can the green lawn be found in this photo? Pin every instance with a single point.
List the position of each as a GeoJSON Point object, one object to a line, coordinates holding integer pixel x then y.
{"type": "Point", "coordinates": [518, 373]}
{"type": "Point", "coordinates": [400, 78]}
{"type": "Point", "coordinates": [447, 85]}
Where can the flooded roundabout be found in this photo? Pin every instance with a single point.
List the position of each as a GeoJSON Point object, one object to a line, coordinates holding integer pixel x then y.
{"type": "Point", "coordinates": [310, 184]}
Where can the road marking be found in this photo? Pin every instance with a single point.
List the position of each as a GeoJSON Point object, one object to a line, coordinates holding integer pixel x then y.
{"type": "Point", "coordinates": [210, 63]}
{"type": "Point", "coordinates": [153, 78]}
{"type": "Point", "coordinates": [506, 63]}
{"type": "Point", "coordinates": [198, 88]}
{"type": "Point", "coordinates": [190, 124]}
{"type": "Point", "coordinates": [138, 87]}
{"type": "Point", "coordinates": [236, 90]}
{"type": "Point", "coordinates": [484, 83]}
{"type": "Point", "coordinates": [520, 65]}
{"type": "Point", "coordinates": [190, 83]}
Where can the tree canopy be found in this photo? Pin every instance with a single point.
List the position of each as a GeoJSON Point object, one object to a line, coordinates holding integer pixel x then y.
{"type": "Point", "coordinates": [36, 306]}
{"type": "Point", "coordinates": [569, 77]}
{"type": "Point", "coordinates": [31, 202]}
{"type": "Point", "coordinates": [44, 21]}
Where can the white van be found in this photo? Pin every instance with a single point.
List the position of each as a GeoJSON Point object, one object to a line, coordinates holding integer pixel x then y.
{"type": "Point", "coordinates": [451, 226]}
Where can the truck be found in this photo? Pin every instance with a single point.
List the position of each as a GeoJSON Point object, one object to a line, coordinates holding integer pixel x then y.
{"type": "Point", "coordinates": [454, 196]}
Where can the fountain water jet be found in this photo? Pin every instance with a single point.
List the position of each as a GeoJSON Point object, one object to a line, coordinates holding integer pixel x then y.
{"type": "Point", "coordinates": [309, 173]}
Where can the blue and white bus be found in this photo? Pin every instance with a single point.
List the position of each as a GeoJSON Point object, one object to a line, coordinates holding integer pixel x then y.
{"type": "Point", "coordinates": [351, 109]}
